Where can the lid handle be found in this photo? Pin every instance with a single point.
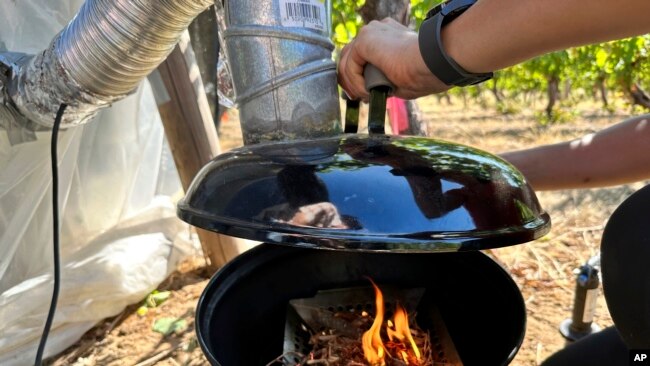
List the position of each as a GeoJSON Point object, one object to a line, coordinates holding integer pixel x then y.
{"type": "Point", "coordinates": [375, 78]}
{"type": "Point", "coordinates": [379, 88]}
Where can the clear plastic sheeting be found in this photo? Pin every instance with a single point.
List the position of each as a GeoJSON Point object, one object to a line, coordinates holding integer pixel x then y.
{"type": "Point", "coordinates": [119, 234]}
{"type": "Point", "coordinates": [225, 88]}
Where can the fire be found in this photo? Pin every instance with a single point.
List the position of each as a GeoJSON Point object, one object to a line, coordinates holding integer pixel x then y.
{"type": "Point", "coordinates": [373, 347]}
{"type": "Point", "coordinates": [400, 344]}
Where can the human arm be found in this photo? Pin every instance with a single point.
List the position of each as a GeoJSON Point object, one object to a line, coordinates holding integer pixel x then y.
{"type": "Point", "coordinates": [490, 35]}
{"type": "Point", "coordinates": [616, 155]}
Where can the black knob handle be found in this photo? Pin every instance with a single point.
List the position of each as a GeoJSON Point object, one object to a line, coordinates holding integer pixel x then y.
{"type": "Point", "coordinates": [375, 78]}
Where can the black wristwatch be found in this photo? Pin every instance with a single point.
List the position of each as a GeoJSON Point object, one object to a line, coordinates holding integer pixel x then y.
{"type": "Point", "coordinates": [434, 55]}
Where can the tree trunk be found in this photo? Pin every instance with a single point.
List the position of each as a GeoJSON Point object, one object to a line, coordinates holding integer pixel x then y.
{"type": "Point", "coordinates": [553, 92]}
{"type": "Point", "coordinates": [400, 10]}
{"type": "Point", "coordinates": [567, 89]}
{"type": "Point", "coordinates": [602, 89]}
{"type": "Point", "coordinates": [445, 97]}
{"type": "Point", "coordinates": [417, 126]}
{"type": "Point", "coordinates": [639, 96]}
{"type": "Point", "coordinates": [463, 93]}
{"type": "Point", "coordinates": [495, 91]}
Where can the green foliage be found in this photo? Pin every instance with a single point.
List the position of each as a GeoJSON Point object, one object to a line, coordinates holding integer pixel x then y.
{"type": "Point", "coordinates": [419, 9]}
{"type": "Point", "coordinates": [153, 300]}
{"type": "Point", "coordinates": [507, 108]}
{"type": "Point", "coordinates": [166, 326]}
{"type": "Point", "coordinates": [557, 116]}
{"type": "Point", "coordinates": [346, 20]}
{"type": "Point", "coordinates": [617, 66]}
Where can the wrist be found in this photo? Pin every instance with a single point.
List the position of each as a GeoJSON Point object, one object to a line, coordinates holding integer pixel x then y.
{"type": "Point", "coordinates": [460, 47]}
{"type": "Point", "coordinates": [433, 36]}
{"type": "Point", "coordinates": [461, 40]}
{"type": "Point", "coordinates": [480, 41]}
{"type": "Point", "coordinates": [422, 74]}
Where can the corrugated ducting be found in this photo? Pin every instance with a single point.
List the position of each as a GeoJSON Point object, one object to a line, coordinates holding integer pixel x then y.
{"type": "Point", "coordinates": [100, 57]}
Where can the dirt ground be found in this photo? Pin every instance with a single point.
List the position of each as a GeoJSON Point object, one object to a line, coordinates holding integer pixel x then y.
{"type": "Point", "coordinates": [542, 269]}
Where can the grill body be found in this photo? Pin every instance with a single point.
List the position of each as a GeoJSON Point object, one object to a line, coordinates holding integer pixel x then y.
{"type": "Point", "coordinates": [241, 314]}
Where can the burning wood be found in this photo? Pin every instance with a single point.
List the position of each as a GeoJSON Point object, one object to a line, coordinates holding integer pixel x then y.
{"type": "Point", "coordinates": [355, 338]}
{"type": "Point", "coordinates": [333, 349]}
{"type": "Point", "coordinates": [401, 345]}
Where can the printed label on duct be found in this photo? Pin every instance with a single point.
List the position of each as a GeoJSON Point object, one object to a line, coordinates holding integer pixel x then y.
{"type": "Point", "coordinates": [590, 305]}
{"type": "Point", "coordinates": [303, 13]}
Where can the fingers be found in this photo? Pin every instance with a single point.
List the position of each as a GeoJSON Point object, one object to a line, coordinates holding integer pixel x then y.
{"type": "Point", "coordinates": [350, 74]}
{"type": "Point", "coordinates": [366, 48]}
{"type": "Point", "coordinates": [354, 72]}
{"type": "Point", "coordinates": [343, 64]}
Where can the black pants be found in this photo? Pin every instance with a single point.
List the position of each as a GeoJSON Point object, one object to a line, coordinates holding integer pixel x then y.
{"type": "Point", "coordinates": [605, 348]}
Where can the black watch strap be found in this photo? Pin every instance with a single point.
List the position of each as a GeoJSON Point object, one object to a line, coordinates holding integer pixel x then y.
{"type": "Point", "coordinates": [438, 61]}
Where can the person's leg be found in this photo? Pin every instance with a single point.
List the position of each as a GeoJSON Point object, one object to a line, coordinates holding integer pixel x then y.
{"type": "Point", "coordinates": [605, 348]}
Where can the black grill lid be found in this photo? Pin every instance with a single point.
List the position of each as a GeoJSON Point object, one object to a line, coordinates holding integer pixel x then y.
{"type": "Point", "coordinates": [368, 193]}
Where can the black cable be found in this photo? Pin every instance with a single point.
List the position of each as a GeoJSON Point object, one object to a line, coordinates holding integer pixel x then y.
{"type": "Point", "coordinates": [55, 222]}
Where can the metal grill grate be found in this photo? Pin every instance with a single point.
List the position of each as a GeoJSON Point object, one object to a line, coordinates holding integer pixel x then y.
{"type": "Point", "coordinates": [321, 313]}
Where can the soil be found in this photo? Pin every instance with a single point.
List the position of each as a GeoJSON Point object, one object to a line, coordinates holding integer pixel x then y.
{"type": "Point", "coordinates": [543, 269]}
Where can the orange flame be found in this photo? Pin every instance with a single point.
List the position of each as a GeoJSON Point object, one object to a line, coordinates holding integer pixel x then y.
{"type": "Point", "coordinates": [373, 347]}
{"type": "Point", "coordinates": [402, 331]}
{"type": "Point", "coordinates": [398, 332]}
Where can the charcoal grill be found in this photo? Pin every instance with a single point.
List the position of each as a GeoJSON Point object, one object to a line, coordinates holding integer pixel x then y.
{"type": "Point", "coordinates": [242, 314]}
{"type": "Point", "coordinates": [408, 212]}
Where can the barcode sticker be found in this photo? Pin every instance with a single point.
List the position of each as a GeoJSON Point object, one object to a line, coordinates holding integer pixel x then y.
{"type": "Point", "coordinates": [303, 14]}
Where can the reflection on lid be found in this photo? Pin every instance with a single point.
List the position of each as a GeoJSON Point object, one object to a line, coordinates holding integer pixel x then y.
{"type": "Point", "coordinates": [357, 187]}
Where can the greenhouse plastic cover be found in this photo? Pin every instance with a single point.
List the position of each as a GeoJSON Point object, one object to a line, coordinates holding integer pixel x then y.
{"type": "Point", "coordinates": [119, 234]}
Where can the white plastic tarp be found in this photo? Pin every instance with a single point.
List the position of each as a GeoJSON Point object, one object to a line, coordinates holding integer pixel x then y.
{"type": "Point", "coordinates": [119, 234]}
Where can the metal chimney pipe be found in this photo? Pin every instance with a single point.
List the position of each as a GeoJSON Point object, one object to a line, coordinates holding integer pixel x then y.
{"type": "Point", "coordinates": [280, 57]}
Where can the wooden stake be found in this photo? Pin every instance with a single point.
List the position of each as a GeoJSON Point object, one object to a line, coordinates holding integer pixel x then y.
{"type": "Point", "coordinates": [191, 134]}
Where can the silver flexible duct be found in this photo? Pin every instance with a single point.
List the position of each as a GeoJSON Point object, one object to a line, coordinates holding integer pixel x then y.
{"type": "Point", "coordinates": [10, 119]}
{"type": "Point", "coordinates": [99, 58]}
